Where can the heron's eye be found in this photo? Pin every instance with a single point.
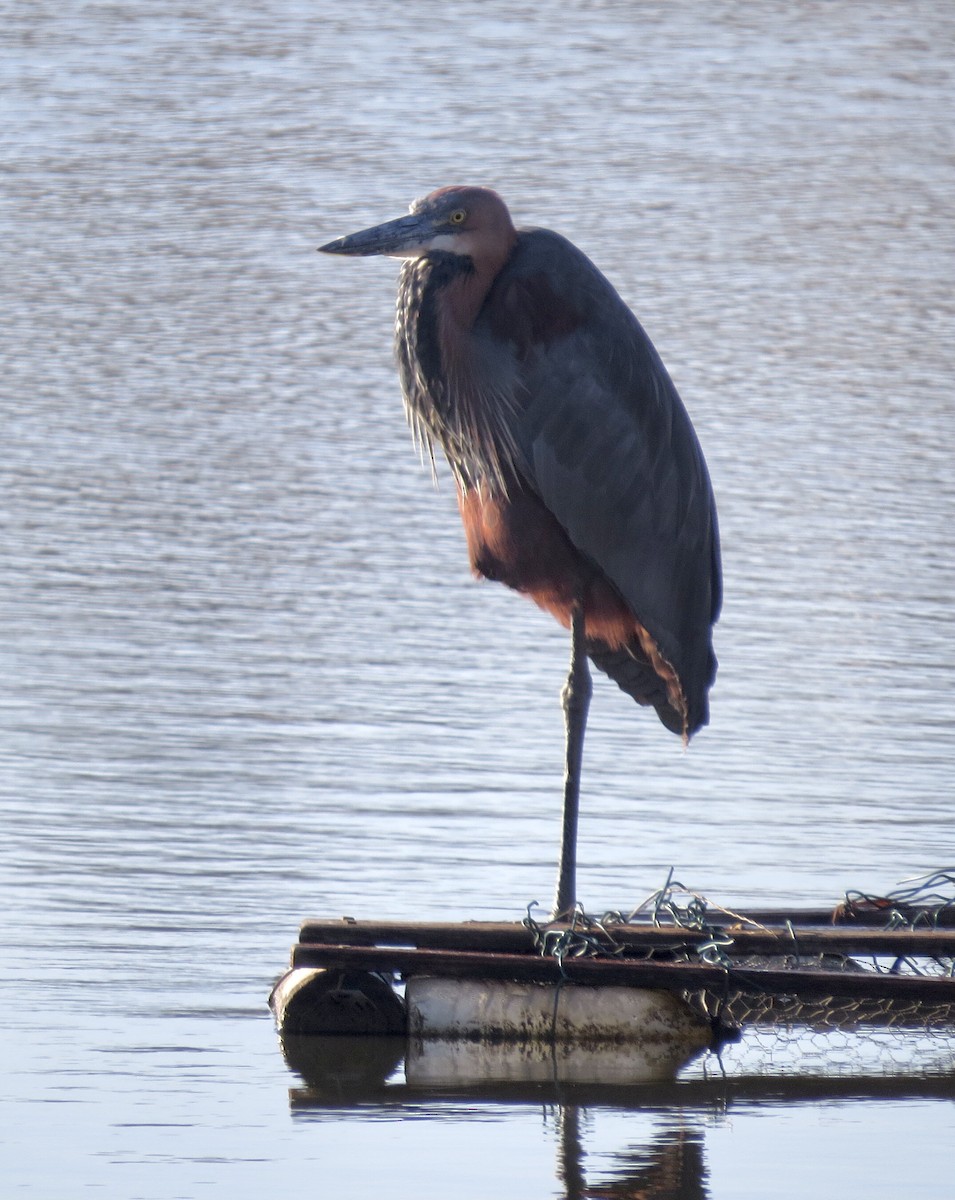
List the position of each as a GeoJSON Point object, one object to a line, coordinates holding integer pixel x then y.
{"type": "Point", "coordinates": [457, 216]}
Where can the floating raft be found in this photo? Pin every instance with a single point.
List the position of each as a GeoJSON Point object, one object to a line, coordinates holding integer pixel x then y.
{"type": "Point", "coordinates": [819, 966]}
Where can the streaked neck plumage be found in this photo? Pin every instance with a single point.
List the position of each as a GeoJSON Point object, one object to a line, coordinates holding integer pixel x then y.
{"type": "Point", "coordinates": [449, 398]}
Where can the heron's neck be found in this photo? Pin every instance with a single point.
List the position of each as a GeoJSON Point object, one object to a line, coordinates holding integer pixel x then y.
{"type": "Point", "coordinates": [466, 290]}
{"type": "Point", "coordinates": [451, 399]}
{"type": "Point", "coordinates": [458, 306]}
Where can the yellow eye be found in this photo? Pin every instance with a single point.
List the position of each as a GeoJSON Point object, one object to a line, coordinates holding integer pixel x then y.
{"type": "Point", "coordinates": [457, 216]}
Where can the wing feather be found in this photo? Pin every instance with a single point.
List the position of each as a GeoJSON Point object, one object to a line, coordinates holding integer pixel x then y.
{"type": "Point", "coordinates": [606, 443]}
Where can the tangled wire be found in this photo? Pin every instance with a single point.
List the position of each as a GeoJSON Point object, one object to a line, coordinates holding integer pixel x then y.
{"type": "Point", "coordinates": [924, 902]}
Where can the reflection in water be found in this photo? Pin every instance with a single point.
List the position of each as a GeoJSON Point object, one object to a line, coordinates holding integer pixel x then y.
{"type": "Point", "coordinates": [570, 1154]}
{"type": "Point", "coordinates": [669, 1167]}
{"type": "Point", "coordinates": [361, 1077]}
{"type": "Point", "coordinates": [340, 1070]}
{"type": "Point", "coordinates": [350, 1074]}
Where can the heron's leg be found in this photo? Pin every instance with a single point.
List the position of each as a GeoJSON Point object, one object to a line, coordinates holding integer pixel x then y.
{"type": "Point", "coordinates": [576, 701]}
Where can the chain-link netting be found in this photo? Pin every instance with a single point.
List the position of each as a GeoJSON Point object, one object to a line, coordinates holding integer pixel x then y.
{"type": "Point", "coordinates": [753, 990]}
{"type": "Point", "coordinates": [836, 1059]}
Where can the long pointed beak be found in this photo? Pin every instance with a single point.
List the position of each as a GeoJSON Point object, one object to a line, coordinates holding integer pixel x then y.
{"type": "Point", "coordinates": [401, 238]}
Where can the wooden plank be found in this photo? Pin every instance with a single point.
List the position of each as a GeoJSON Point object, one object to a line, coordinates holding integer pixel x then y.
{"type": "Point", "coordinates": [626, 972]}
{"type": "Point", "coordinates": [515, 938]}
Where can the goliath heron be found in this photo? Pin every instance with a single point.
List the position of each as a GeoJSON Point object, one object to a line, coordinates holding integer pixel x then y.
{"type": "Point", "coordinates": [580, 479]}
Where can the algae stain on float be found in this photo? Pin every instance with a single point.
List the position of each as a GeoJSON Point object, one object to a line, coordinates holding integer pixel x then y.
{"type": "Point", "coordinates": [491, 1030]}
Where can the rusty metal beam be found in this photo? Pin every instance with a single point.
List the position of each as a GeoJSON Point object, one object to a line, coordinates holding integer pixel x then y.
{"type": "Point", "coordinates": [596, 972]}
{"type": "Point", "coordinates": [515, 938]}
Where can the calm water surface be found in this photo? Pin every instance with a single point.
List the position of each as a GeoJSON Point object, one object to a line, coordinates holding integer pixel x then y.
{"type": "Point", "coordinates": [246, 674]}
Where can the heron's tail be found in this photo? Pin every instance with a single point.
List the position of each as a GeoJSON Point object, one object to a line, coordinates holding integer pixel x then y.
{"type": "Point", "coordinates": [630, 669]}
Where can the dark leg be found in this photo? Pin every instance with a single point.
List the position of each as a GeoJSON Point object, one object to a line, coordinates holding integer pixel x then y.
{"type": "Point", "coordinates": [576, 701]}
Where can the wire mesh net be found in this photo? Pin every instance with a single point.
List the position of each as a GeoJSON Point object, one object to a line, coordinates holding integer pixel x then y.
{"type": "Point", "coordinates": [836, 1058]}
{"type": "Point", "coordinates": [741, 1000]}
{"type": "Point", "coordinates": [823, 1013]}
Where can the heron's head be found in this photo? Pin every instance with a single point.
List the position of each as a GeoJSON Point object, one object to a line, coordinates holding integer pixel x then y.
{"type": "Point", "coordinates": [472, 222]}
